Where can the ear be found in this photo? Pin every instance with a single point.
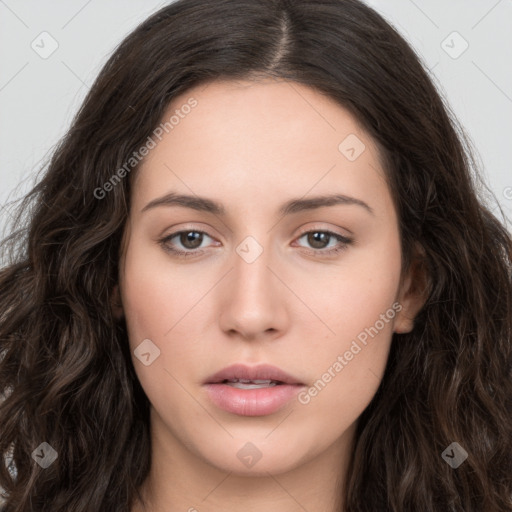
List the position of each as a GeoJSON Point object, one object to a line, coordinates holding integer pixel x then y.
{"type": "Point", "coordinates": [413, 292]}
{"type": "Point", "coordinates": [116, 303]}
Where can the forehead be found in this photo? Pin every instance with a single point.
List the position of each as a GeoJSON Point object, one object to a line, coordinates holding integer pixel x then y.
{"type": "Point", "coordinates": [259, 140]}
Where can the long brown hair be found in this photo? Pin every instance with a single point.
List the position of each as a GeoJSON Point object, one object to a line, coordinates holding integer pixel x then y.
{"type": "Point", "coordinates": [65, 367]}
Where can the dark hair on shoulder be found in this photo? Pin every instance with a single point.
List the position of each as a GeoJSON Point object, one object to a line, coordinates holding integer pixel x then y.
{"type": "Point", "coordinates": [65, 368]}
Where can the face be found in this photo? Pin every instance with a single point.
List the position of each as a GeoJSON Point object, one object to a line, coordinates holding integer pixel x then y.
{"type": "Point", "coordinates": [273, 276]}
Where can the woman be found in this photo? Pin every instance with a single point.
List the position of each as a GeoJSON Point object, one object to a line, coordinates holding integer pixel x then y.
{"type": "Point", "coordinates": [257, 274]}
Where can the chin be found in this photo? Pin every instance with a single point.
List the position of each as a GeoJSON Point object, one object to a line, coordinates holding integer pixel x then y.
{"type": "Point", "coordinates": [244, 457]}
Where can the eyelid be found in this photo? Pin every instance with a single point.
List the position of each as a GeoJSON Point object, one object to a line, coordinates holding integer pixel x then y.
{"type": "Point", "coordinates": [303, 231]}
{"type": "Point", "coordinates": [342, 239]}
{"type": "Point", "coordinates": [324, 229]}
{"type": "Point", "coordinates": [342, 243]}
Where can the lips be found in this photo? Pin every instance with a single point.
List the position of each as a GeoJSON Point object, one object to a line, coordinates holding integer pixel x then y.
{"type": "Point", "coordinates": [251, 390]}
{"type": "Point", "coordinates": [259, 374]}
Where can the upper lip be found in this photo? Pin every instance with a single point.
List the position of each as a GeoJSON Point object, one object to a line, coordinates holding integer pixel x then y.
{"type": "Point", "coordinates": [259, 372]}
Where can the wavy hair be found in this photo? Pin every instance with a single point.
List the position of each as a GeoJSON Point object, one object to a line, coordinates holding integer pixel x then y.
{"type": "Point", "coordinates": [66, 373]}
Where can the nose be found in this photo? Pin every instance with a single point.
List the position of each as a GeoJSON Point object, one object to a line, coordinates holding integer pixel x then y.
{"type": "Point", "coordinates": [253, 297]}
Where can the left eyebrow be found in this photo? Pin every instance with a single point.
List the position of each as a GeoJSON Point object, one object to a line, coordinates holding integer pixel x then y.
{"type": "Point", "coordinates": [299, 205]}
{"type": "Point", "coordinates": [290, 207]}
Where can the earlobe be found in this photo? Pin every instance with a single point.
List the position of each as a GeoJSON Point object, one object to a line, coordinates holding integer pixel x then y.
{"type": "Point", "coordinates": [413, 293]}
{"type": "Point", "coordinates": [116, 303]}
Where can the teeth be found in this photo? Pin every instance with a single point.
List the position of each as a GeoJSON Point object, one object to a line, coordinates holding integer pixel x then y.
{"type": "Point", "coordinates": [254, 381]}
{"type": "Point", "coordinates": [251, 384]}
{"type": "Point", "coordinates": [243, 385]}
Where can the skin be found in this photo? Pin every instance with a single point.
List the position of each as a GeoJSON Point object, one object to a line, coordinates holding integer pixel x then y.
{"type": "Point", "coordinates": [252, 145]}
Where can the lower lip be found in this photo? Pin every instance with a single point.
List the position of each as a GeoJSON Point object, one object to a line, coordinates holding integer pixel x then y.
{"type": "Point", "coordinates": [252, 402]}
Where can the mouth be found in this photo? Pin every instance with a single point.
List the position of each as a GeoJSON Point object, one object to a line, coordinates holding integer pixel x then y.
{"type": "Point", "coordinates": [252, 391]}
{"type": "Point", "coordinates": [263, 375]}
{"type": "Point", "coordinates": [250, 384]}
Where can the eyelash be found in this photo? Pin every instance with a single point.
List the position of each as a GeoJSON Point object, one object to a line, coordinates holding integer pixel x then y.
{"type": "Point", "coordinates": [345, 241]}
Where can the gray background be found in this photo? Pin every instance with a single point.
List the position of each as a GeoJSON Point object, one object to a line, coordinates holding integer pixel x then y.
{"type": "Point", "coordinates": [38, 96]}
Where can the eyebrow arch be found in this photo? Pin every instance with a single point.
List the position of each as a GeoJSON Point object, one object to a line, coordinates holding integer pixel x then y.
{"type": "Point", "coordinates": [290, 207]}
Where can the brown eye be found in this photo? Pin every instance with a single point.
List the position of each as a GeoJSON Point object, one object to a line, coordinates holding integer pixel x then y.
{"type": "Point", "coordinates": [187, 243]}
{"type": "Point", "coordinates": [318, 239]}
{"type": "Point", "coordinates": [191, 239]}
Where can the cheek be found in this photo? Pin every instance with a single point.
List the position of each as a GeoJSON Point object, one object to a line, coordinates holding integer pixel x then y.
{"type": "Point", "coordinates": [150, 304]}
{"type": "Point", "coordinates": [351, 296]}
{"type": "Point", "coordinates": [346, 371]}
{"type": "Point", "coordinates": [347, 363]}
{"type": "Point", "coordinates": [164, 304]}
{"type": "Point", "coordinates": [157, 293]}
